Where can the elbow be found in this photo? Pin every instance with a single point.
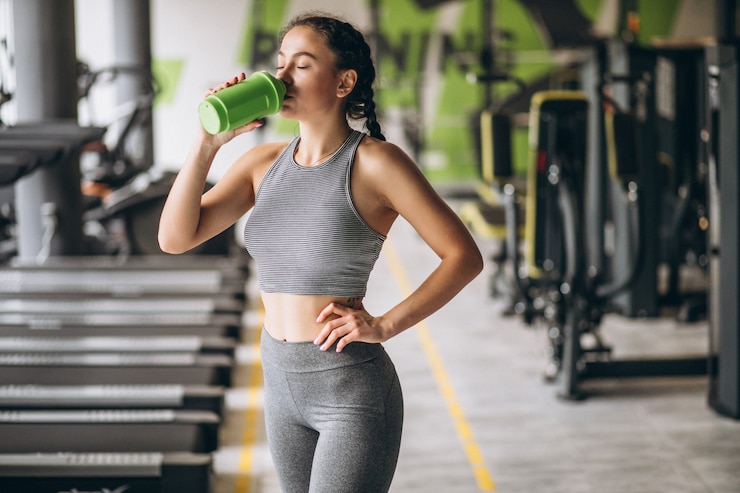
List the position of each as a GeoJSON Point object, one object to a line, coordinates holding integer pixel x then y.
{"type": "Point", "coordinates": [167, 248]}
{"type": "Point", "coordinates": [169, 245]}
{"type": "Point", "coordinates": [472, 261]}
{"type": "Point", "coordinates": [475, 263]}
{"type": "Point", "coordinates": [467, 263]}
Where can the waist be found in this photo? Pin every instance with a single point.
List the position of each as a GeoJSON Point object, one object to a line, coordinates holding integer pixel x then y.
{"type": "Point", "coordinates": [292, 318]}
{"type": "Point", "coordinates": [302, 357]}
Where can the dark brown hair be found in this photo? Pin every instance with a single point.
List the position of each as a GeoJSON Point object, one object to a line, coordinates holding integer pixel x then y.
{"type": "Point", "coordinates": [352, 52]}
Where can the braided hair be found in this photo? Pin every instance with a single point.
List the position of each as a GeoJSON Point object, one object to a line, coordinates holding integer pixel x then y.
{"type": "Point", "coordinates": [352, 52]}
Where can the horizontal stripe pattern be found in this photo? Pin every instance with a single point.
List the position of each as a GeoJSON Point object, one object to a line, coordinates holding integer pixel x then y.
{"type": "Point", "coordinates": [304, 232]}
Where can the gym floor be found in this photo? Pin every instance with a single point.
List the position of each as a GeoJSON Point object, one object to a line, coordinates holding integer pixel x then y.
{"type": "Point", "coordinates": [480, 417]}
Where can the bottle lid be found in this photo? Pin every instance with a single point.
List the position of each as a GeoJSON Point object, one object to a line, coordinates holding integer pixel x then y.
{"type": "Point", "coordinates": [212, 115]}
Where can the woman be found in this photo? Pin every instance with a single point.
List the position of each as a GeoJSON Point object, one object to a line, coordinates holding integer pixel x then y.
{"type": "Point", "coordinates": [321, 207]}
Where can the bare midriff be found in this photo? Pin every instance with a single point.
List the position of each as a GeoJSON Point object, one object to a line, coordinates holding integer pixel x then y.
{"type": "Point", "coordinates": [292, 318]}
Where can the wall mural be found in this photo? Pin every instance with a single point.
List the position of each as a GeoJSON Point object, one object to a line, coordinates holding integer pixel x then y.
{"type": "Point", "coordinates": [426, 51]}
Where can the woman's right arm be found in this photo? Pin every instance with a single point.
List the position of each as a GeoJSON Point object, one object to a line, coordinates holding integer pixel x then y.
{"type": "Point", "coordinates": [189, 216]}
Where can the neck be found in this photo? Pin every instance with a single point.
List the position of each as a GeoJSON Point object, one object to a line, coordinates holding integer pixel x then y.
{"type": "Point", "coordinates": [317, 144]}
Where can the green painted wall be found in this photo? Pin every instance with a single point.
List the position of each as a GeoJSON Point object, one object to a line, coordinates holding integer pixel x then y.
{"type": "Point", "coordinates": [167, 74]}
{"type": "Point", "coordinates": [406, 32]}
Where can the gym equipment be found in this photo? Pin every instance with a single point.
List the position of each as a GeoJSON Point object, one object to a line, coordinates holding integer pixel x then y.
{"type": "Point", "coordinates": [557, 151]}
{"type": "Point", "coordinates": [173, 472]}
{"type": "Point", "coordinates": [127, 283]}
{"type": "Point", "coordinates": [120, 324]}
{"type": "Point", "coordinates": [27, 147]}
{"type": "Point", "coordinates": [118, 344]}
{"type": "Point", "coordinates": [647, 108]}
{"type": "Point", "coordinates": [230, 267]}
{"type": "Point", "coordinates": [135, 276]}
{"type": "Point", "coordinates": [124, 193]}
{"type": "Point", "coordinates": [498, 196]}
{"type": "Point", "coordinates": [42, 152]}
{"type": "Point", "coordinates": [192, 397]}
{"type": "Point", "coordinates": [723, 158]}
{"type": "Point", "coordinates": [560, 286]}
{"type": "Point", "coordinates": [629, 79]}
{"type": "Point", "coordinates": [555, 178]}
{"type": "Point", "coordinates": [115, 368]}
{"type": "Point", "coordinates": [148, 305]}
{"type": "Point", "coordinates": [118, 430]}
{"type": "Point", "coordinates": [681, 180]}
{"type": "Point", "coordinates": [20, 158]}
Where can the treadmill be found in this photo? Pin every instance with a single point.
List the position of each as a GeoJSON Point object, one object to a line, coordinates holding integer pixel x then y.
{"type": "Point", "coordinates": [131, 283]}
{"type": "Point", "coordinates": [28, 147]}
{"type": "Point", "coordinates": [177, 472]}
{"type": "Point", "coordinates": [121, 324]}
{"type": "Point", "coordinates": [116, 369]}
{"type": "Point", "coordinates": [118, 344]}
{"type": "Point", "coordinates": [232, 268]}
{"type": "Point", "coordinates": [141, 396]}
{"type": "Point", "coordinates": [108, 430]}
{"type": "Point", "coordinates": [147, 305]}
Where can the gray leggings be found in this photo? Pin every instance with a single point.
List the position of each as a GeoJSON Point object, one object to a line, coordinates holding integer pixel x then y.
{"type": "Point", "coordinates": [333, 419]}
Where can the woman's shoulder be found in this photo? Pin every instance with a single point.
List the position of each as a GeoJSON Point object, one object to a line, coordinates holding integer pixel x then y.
{"type": "Point", "coordinates": [268, 150]}
{"type": "Point", "coordinates": [380, 157]}
{"type": "Point", "coordinates": [376, 152]}
{"type": "Point", "coordinates": [384, 169]}
{"type": "Point", "coordinates": [262, 155]}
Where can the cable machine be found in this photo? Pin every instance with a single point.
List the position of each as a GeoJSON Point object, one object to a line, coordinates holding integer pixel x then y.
{"type": "Point", "coordinates": [723, 158]}
{"type": "Point", "coordinates": [594, 159]}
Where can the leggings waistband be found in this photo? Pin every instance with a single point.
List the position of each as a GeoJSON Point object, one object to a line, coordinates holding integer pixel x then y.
{"type": "Point", "coordinates": [302, 357]}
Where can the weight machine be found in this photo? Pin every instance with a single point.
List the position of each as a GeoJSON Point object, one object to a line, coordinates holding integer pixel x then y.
{"type": "Point", "coordinates": [723, 159]}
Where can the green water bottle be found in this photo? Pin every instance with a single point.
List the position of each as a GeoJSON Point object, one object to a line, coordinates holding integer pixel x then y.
{"type": "Point", "coordinates": [257, 96]}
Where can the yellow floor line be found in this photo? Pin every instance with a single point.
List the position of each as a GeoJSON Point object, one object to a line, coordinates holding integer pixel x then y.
{"type": "Point", "coordinates": [464, 431]}
{"type": "Point", "coordinates": [251, 415]}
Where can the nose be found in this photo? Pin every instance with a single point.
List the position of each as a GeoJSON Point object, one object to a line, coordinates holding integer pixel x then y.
{"type": "Point", "coordinates": [286, 81]}
{"type": "Point", "coordinates": [283, 75]}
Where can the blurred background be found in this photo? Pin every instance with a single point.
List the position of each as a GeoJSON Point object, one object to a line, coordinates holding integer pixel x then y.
{"type": "Point", "coordinates": [591, 146]}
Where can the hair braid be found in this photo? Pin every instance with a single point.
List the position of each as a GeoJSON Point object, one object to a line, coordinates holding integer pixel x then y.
{"type": "Point", "coordinates": [352, 52]}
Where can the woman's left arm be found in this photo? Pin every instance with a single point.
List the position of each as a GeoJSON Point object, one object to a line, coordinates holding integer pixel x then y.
{"type": "Point", "coordinates": [400, 188]}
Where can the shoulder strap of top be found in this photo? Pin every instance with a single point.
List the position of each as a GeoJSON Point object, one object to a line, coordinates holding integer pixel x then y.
{"type": "Point", "coordinates": [351, 145]}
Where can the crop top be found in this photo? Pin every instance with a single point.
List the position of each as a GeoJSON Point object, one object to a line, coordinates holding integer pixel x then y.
{"type": "Point", "coordinates": [304, 232]}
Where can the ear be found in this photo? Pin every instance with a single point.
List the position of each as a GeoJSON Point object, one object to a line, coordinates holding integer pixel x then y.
{"type": "Point", "coordinates": [347, 81]}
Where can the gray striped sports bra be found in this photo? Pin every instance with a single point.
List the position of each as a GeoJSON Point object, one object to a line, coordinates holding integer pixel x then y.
{"type": "Point", "coordinates": [304, 232]}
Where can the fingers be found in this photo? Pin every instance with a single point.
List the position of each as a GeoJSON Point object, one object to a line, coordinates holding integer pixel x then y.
{"type": "Point", "coordinates": [326, 336]}
{"type": "Point", "coordinates": [350, 326]}
{"type": "Point", "coordinates": [343, 341]}
{"type": "Point", "coordinates": [331, 309]}
{"type": "Point", "coordinates": [234, 80]}
{"type": "Point", "coordinates": [337, 332]}
{"type": "Point", "coordinates": [249, 127]}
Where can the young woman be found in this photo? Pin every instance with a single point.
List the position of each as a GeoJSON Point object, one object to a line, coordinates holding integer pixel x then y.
{"type": "Point", "coordinates": [322, 206]}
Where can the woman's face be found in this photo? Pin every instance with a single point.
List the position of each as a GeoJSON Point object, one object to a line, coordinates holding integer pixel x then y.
{"type": "Point", "coordinates": [307, 66]}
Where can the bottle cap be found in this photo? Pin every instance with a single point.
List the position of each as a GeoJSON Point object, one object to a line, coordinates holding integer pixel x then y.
{"type": "Point", "coordinates": [212, 114]}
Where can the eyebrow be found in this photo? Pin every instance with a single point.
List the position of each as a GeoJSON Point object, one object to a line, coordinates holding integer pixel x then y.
{"type": "Point", "coordinates": [300, 53]}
